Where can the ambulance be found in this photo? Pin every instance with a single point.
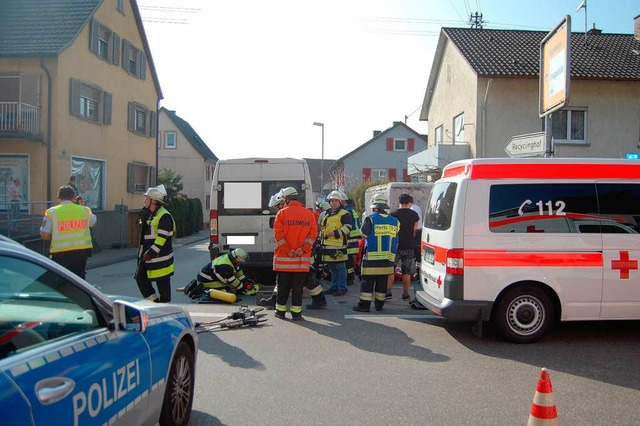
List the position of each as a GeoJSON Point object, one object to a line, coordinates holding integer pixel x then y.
{"type": "Point", "coordinates": [525, 243]}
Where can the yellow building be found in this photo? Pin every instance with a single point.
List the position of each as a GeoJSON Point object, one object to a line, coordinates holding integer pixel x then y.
{"type": "Point", "coordinates": [79, 96]}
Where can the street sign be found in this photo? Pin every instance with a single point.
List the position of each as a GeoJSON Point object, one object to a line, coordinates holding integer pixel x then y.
{"type": "Point", "coordinates": [530, 145]}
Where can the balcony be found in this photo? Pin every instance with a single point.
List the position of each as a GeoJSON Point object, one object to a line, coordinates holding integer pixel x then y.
{"type": "Point", "coordinates": [19, 119]}
{"type": "Point", "coordinates": [432, 160]}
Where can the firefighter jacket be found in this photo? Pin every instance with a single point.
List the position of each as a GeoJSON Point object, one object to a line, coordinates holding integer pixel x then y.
{"type": "Point", "coordinates": [334, 232]}
{"type": "Point", "coordinates": [381, 232]}
{"type": "Point", "coordinates": [354, 234]}
{"type": "Point", "coordinates": [69, 227]}
{"type": "Point", "coordinates": [294, 228]}
{"type": "Point", "coordinates": [221, 273]}
{"type": "Point", "coordinates": [157, 230]}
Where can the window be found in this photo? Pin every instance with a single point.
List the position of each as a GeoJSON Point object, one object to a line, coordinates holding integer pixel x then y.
{"type": "Point", "coordinates": [170, 139]}
{"type": "Point", "coordinates": [104, 42]}
{"type": "Point", "coordinates": [439, 134]}
{"type": "Point", "coordinates": [250, 198]}
{"type": "Point", "coordinates": [52, 306]}
{"type": "Point", "coordinates": [142, 121]}
{"type": "Point", "coordinates": [458, 129]}
{"type": "Point", "coordinates": [399, 145]}
{"type": "Point", "coordinates": [90, 181]}
{"type": "Point", "coordinates": [140, 176]}
{"type": "Point", "coordinates": [133, 60]}
{"type": "Point", "coordinates": [120, 6]}
{"type": "Point", "coordinates": [440, 207]}
{"type": "Point", "coordinates": [90, 102]}
{"type": "Point", "coordinates": [570, 126]}
{"type": "Point", "coordinates": [379, 174]}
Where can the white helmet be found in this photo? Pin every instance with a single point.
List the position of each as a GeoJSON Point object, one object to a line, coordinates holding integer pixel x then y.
{"type": "Point", "coordinates": [288, 192]}
{"type": "Point", "coordinates": [158, 193]}
{"type": "Point", "coordinates": [239, 255]}
{"type": "Point", "coordinates": [276, 199]}
{"type": "Point", "coordinates": [379, 201]}
{"type": "Point", "coordinates": [336, 195]}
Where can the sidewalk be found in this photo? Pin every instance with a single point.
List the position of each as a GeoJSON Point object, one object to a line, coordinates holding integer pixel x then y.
{"type": "Point", "coordinates": [109, 256]}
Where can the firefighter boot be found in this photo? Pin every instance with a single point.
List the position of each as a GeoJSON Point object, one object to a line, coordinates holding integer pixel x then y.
{"type": "Point", "coordinates": [317, 302]}
{"type": "Point", "coordinates": [379, 304]}
{"type": "Point", "coordinates": [296, 316]}
{"type": "Point", "coordinates": [362, 306]}
{"type": "Point", "coordinates": [268, 302]}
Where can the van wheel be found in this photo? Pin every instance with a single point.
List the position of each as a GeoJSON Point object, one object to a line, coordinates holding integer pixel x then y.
{"type": "Point", "coordinates": [524, 314]}
{"type": "Point", "coordinates": [178, 395]}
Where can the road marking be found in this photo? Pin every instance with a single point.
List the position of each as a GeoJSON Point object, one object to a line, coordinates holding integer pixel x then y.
{"type": "Point", "coordinates": [401, 316]}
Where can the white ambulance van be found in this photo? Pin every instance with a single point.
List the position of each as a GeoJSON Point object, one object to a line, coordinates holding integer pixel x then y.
{"type": "Point", "coordinates": [240, 215]}
{"type": "Point", "coordinates": [528, 242]}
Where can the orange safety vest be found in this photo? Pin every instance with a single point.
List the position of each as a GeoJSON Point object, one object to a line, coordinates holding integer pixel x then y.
{"type": "Point", "coordinates": [294, 227]}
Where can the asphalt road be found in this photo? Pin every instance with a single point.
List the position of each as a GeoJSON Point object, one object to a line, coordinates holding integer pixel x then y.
{"type": "Point", "coordinates": [400, 367]}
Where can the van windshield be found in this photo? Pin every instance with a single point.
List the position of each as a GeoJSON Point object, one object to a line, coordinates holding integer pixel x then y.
{"type": "Point", "coordinates": [440, 206]}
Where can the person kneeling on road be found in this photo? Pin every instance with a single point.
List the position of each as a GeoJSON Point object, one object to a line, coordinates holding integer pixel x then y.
{"type": "Point", "coordinates": [222, 273]}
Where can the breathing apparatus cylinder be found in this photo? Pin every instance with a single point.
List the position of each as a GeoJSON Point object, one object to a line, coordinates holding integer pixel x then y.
{"type": "Point", "coordinates": [222, 295]}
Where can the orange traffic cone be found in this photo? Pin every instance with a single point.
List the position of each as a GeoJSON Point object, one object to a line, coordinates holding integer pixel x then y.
{"type": "Point", "coordinates": [543, 410]}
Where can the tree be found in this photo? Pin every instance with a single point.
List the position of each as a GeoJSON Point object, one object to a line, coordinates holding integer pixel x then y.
{"type": "Point", "coordinates": [171, 181]}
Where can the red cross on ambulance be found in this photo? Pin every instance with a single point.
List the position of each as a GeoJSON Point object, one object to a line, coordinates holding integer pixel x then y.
{"type": "Point", "coordinates": [624, 265]}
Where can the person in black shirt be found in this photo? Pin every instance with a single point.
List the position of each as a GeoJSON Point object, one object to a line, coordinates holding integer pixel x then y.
{"type": "Point", "coordinates": [409, 222]}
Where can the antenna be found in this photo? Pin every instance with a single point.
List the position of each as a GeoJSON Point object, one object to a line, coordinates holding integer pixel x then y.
{"type": "Point", "coordinates": [476, 20]}
{"type": "Point", "coordinates": [583, 4]}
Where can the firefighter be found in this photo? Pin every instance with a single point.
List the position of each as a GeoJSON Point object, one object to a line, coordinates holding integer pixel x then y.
{"type": "Point", "coordinates": [381, 234]}
{"type": "Point", "coordinates": [222, 273]}
{"type": "Point", "coordinates": [352, 242]}
{"type": "Point", "coordinates": [334, 233]}
{"type": "Point", "coordinates": [295, 231]}
{"type": "Point", "coordinates": [155, 252]}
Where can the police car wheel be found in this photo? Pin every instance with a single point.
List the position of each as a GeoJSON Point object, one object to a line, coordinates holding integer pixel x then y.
{"type": "Point", "coordinates": [178, 395]}
{"type": "Point", "coordinates": [524, 314]}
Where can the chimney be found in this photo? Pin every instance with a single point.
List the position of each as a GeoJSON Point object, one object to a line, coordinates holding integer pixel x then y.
{"type": "Point", "coordinates": [594, 30]}
{"type": "Point", "coordinates": [636, 27]}
{"type": "Point", "coordinates": [376, 133]}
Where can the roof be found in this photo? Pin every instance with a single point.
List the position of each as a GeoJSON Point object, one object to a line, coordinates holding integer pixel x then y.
{"type": "Point", "coordinates": [47, 27]}
{"type": "Point", "coordinates": [191, 135]}
{"type": "Point", "coordinates": [516, 54]}
{"type": "Point", "coordinates": [381, 135]}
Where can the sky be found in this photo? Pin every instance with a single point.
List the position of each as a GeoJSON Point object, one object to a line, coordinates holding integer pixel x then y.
{"type": "Point", "coordinates": [252, 76]}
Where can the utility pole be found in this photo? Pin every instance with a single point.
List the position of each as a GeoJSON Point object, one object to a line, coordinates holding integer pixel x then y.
{"type": "Point", "coordinates": [476, 20]}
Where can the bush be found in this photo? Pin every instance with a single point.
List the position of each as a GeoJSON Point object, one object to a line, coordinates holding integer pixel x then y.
{"type": "Point", "coordinates": [357, 195]}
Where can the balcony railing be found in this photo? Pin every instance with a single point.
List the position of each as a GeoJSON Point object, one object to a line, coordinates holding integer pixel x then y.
{"type": "Point", "coordinates": [19, 117]}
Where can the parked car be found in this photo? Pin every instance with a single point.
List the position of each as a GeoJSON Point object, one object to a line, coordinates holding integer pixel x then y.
{"type": "Point", "coordinates": [70, 355]}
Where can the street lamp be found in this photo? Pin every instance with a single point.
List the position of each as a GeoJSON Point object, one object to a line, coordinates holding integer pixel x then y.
{"type": "Point", "coordinates": [315, 123]}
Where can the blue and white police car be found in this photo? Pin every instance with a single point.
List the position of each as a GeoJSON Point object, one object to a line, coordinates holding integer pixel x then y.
{"type": "Point", "coordinates": [69, 355]}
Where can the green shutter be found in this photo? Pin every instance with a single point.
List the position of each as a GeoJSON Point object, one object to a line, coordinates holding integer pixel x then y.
{"type": "Point", "coordinates": [107, 99]}
{"type": "Point", "coordinates": [94, 35]}
{"type": "Point", "coordinates": [115, 48]}
{"type": "Point", "coordinates": [74, 97]}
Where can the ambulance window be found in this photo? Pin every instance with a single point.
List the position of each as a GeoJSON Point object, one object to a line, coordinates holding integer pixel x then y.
{"type": "Point", "coordinates": [440, 206]}
{"type": "Point", "coordinates": [619, 207]}
{"type": "Point", "coordinates": [546, 207]}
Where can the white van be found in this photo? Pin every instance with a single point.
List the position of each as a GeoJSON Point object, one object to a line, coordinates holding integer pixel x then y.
{"type": "Point", "coordinates": [240, 215]}
{"type": "Point", "coordinates": [526, 242]}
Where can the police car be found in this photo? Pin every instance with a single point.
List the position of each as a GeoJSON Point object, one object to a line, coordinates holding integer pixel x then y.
{"type": "Point", "coordinates": [70, 355]}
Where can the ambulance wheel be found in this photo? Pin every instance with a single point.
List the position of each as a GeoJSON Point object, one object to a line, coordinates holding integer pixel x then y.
{"type": "Point", "coordinates": [178, 395]}
{"type": "Point", "coordinates": [524, 314]}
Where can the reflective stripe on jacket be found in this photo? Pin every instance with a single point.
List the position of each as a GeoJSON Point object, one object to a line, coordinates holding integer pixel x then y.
{"type": "Point", "coordinates": [69, 227]}
{"type": "Point", "coordinates": [294, 227]}
{"type": "Point", "coordinates": [381, 244]}
{"type": "Point", "coordinates": [335, 224]}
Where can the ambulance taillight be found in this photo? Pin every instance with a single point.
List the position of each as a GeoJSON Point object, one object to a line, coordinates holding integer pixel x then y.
{"type": "Point", "coordinates": [455, 261]}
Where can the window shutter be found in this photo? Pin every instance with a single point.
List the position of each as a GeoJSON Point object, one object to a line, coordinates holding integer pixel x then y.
{"type": "Point", "coordinates": [107, 101]}
{"type": "Point", "coordinates": [411, 144]}
{"type": "Point", "coordinates": [130, 175]}
{"type": "Point", "coordinates": [405, 176]}
{"type": "Point", "coordinates": [125, 55]}
{"type": "Point", "coordinates": [366, 174]}
{"type": "Point", "coordinates": [143, 65]}
{"type": "Point", "coordinates": [152, 124]}
{"type": "Point", "coordinates": [115, 48]}
{"type": "Point", "coordinates": [152, 176]}
{"type": "Point", "coordinates": [392, 175]}
{"type": "Point", "coordinates": [389, 144]}
{"type": "Point", "coordinates": [74, 97]}
{"type": "Point", "coordinates": [94, 36]}
{"type": "Point", "coordinates": [131, 122]}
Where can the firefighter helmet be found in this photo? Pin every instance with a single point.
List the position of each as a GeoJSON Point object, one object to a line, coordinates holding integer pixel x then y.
{"type": "Point", "coordinates": [379, 201]}
{"type": "Point", "coordinates": [289, 191]}
{"type": "Point", "coordinates": [239, 255]}
{"type": "Point", "coordinates": [276, 199]}
{"type": "Point", "coordinates": [336, 195]}
{"type": "Point", "coordinates": [156, 193]}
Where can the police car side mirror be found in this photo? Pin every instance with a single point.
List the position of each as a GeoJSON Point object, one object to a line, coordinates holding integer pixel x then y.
{"type": "Point", "coordinates": [128, 317]}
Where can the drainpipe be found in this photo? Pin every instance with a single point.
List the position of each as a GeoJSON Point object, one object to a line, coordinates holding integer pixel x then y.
{"type": "Point", "coordinates": [483, 150]}
{"type": "Point", "coordinates": [48, 140]}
